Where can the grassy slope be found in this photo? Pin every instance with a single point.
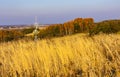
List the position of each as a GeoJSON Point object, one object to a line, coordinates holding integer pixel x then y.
{"type": "Point", "coordinates": [69, 56]}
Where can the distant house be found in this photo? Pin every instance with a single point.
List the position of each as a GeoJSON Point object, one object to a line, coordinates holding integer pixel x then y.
{"type": "Point", "coordinates": [1, 28]}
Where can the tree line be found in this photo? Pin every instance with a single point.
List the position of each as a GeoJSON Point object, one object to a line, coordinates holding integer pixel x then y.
{"type": "Point", "coordinates": [81, 25]}
{"type": "Point", "coordinates": [78, 25]}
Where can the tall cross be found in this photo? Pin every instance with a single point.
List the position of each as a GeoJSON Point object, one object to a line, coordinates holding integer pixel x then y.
{"type": "Point", "coordinates": [35, 32]}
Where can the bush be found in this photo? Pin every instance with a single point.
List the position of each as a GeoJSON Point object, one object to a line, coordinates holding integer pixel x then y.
{"type": "Point", "coordinates": [111, 26]}
{"type": "Point", "coordinates": [27, 31]}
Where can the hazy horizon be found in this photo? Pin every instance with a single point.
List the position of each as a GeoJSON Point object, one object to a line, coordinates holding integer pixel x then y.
{"type": "Point", "coordinates": [15, 12]}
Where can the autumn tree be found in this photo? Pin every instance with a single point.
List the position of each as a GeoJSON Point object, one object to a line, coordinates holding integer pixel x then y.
{"type": "Point", "coordinates": [62, 29]}
{"type": "Point", "coordinates": [78, 26]}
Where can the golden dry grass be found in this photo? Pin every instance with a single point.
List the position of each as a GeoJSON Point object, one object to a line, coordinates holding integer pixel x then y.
{"type": "Point", "coordinates": [70, 56]}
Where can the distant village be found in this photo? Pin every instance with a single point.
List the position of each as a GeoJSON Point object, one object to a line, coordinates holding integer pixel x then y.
{"type": "Point", "coordinates": [6, 27]}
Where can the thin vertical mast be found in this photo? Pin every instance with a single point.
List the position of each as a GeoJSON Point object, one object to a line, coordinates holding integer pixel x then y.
{"type": "Point", "coordinates": [36, 24]}
{"type": "Point", "coordinates": [36, 29]}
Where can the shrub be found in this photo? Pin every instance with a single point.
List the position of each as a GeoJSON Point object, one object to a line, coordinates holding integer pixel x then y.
{"type": "Point", "coordinates": [8, 35]}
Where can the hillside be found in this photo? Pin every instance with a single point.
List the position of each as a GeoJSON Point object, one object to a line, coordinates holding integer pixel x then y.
{"type": "Point", "coordinates": [70, 56]}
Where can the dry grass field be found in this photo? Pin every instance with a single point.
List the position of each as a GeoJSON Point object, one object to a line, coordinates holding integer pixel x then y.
{"type": "Point", "coordinates": [70, 56]}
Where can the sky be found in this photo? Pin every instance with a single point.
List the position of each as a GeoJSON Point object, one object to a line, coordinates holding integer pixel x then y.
{"type": "Point", "coordinates": [16, 12]}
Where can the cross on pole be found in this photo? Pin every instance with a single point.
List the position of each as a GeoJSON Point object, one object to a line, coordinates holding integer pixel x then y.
{"type": "Point", "coordinates": [35, 32]}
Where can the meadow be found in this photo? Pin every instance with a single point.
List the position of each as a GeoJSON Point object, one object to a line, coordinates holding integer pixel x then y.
{"type": "Point", "coordinates": [71, 56]}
